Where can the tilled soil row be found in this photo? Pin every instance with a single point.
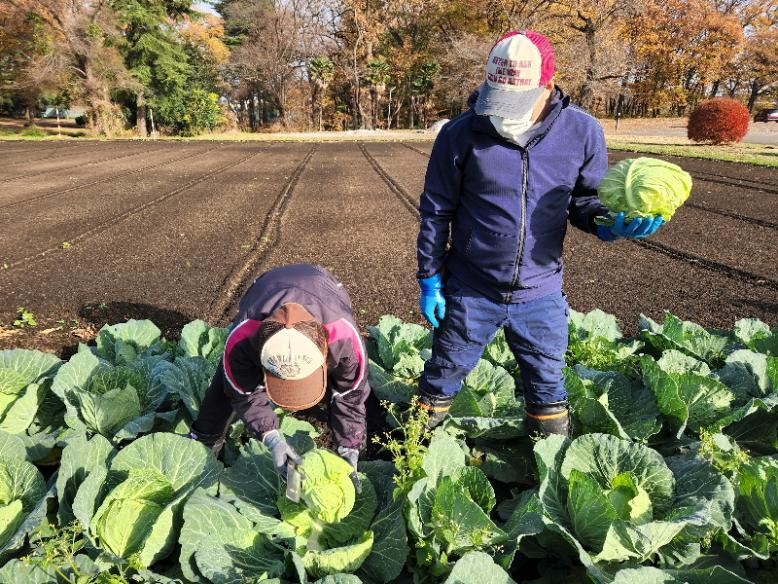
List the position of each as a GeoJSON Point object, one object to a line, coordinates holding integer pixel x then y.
{"type": "Point", "coordinates": [10, 148]}
{"type": "Point", "coordinates": [70, 162]}
{"type": "Point", "coordinates": [168, 262]}
{"type": "Point", "coordinates": [745, 218]}
{"type": "Point", "coordinates": [345, 218]}
{"type": "Point", "coordinates": [409, 201]}
{"type": "Point", "coordinates": [725, 241]}
{"type": "Point", "coordinates": [236, 283]}
{"type": "Point", "coordinates": [24, 194]}
{"type": "Point", "coordinates": [72, 220]}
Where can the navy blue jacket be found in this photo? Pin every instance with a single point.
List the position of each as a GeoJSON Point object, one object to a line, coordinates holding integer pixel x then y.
{"type": "Point", "coordinates": [494, 214]}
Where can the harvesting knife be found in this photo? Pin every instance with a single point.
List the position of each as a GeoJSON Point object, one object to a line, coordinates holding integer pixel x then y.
{"type": "Point", "coordinates": [293, 480]}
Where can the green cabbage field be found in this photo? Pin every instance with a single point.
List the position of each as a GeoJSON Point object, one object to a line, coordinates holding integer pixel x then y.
{"type": "Point", "coordinates": [671, 476]}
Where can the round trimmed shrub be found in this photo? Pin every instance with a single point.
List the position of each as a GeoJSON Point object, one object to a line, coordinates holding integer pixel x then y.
{"type": "Point", "coordinates": [720, 120]}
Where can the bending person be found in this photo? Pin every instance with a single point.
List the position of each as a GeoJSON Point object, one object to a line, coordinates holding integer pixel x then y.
{"type": "Point", "coordinates": [294, 342]}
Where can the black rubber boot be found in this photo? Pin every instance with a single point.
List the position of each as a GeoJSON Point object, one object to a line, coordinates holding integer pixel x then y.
{"type": "Point", "coordinates": [545, 419]}
{"type": "Point", "coordinates": [436, 407]}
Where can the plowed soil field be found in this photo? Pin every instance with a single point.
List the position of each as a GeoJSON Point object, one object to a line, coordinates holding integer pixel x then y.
{"type": "Point", "coordinates": [104, 231]}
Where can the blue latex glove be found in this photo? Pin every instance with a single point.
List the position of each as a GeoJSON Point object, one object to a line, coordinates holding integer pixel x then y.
{"type": "Point", "coordinates": [432, 303]}
{"type": "Point", "coordinates": [638, 228]}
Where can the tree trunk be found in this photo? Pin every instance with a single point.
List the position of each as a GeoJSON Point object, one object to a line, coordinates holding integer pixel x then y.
{"type": "Point", "coordinates": [715, 88]}
{"type": "Point", "coordinates": [586, 98]}
{"type": "Point", "coordinates": [252, 113]}
{"type": "Point", "coordinates": [282, 113]}
{"type": "Point", "coordinates": [29, 115]}
{"type": "Point", "coordinates": [140, 115]}
{"type": "Point", "coordinates": [104, 116]}
{"type": "Point", "coordinates": [314, 106]}
{"type": "Point", "coordinates": [282, 108]}
{"type": "Point", "coordinates": [755, 89]}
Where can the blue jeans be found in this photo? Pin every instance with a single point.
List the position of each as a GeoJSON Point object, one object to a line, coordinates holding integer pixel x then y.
{"type": "Point", "coordinates": [536, 332]}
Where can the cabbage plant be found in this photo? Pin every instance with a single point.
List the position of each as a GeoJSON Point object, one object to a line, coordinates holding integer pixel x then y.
{"type": "Point", "coordinates": [487, 406]}
{"type": "Point", "coordinates": [26, 402]}
{"type": "Point", "coordinates": [756, 515]}
{"type": "Point", "coordinates": [707, 345]}
{"type": "Point", "coordinates": [130, 506]}
{"type": "Point", "coordinates": [23, 496]}
{"type": "Point", "coordinates": [118, 401]}
{"type": "Point", "coordinates": [499, 353]}
{"type": "Point", "coordinates": [398, 351]}
{"type": "Point", "coordinates": [126, 342]}
{"type": "Point", "coordinates": [596, 342]}
{"type": "Point", "coordinates": [757, 336]}
{"type": "Point", "coordinates": [620, 502]}
{"type": "Point", "coordinates": [188, 378]}
{"type": "Point", "coordinates": [753, 379]}
{"type": "Point", "coordinates": [642, 187]}
{"type": "Point", "coordinates": [688, 395]}
{"type": "Point", "coordinates": [449, 511]}
{"type": "Point", "coordinates": [610, 402]}
{"type": "Point", "coordinates": [477, 567]}
{"type": "Point", "coordinates": [251, 530]}
{"type": "Point", "coordinates": [199, 339]}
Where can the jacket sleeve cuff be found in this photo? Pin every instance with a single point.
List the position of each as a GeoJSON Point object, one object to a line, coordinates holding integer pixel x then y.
{"type": "Point", "coordinates": [428, 273]}
{"type": "Point", "coordinates": [258, 429]}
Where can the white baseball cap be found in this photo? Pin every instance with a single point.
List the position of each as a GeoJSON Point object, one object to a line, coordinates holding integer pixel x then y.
{"type": "Point", "coordinates": [519, 67]}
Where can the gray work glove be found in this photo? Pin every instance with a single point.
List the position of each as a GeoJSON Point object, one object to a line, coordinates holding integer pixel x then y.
{"type": "Point", "coordinates": [351, 455]}
{"type": "Point", "coordinates": [281, 451]}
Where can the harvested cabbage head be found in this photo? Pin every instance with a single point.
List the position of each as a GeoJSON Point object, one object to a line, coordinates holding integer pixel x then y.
{"type": "Point", "coordinates": [641, 187]}
{"type": "Point", "coordinates": [327, 490]}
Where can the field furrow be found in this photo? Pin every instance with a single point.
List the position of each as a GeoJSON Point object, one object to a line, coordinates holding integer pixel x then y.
{"type": "Point", "coordinates": [344, 218]}
{"type": "Point", "coordinates": [168, 261]}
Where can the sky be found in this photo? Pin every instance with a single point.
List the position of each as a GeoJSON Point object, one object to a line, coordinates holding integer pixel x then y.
{"type": "Point", "coordinates": [205, 7]}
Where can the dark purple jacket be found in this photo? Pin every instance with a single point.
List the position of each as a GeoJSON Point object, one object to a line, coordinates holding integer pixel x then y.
{"type": "Point", "coordinates": [505, 208]}
{"type": "Point", "coordinates": [325, 298]}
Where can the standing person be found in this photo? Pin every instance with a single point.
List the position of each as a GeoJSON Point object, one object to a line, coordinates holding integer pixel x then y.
{"type": "Point", "coordinates": [502, 181]}
{"type": "Point", "coordinates": [294, 338]}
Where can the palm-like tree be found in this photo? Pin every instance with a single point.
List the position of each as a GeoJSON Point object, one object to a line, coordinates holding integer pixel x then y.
{"type": "Point", "coordinates": [320, 73]}
{"type": "Point", "coordinates": [422, 82]}
{"type": "Point", "coordinates": [377, 76]}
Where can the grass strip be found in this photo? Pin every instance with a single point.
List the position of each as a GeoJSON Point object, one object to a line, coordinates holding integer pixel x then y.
{"type": "Point", "coordinates": [756, 154]}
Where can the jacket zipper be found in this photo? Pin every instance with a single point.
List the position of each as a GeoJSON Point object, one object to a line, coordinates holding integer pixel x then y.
{"type": "Point", "coordinates": [523, 227]}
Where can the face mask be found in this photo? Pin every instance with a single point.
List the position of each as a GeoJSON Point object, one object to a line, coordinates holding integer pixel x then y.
{"type": "Point", "coordinates": [511, 129]}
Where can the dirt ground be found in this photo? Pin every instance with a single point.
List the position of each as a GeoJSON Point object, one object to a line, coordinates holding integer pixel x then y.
{"type": "Point", "coordinates": [103, 231]}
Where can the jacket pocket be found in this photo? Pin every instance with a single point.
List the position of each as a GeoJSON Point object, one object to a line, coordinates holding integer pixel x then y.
{"type": "Point", "coordinates": [494, 253]}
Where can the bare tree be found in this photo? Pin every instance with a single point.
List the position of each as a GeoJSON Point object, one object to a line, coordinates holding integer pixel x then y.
{"type": "Point", "coordinates": [280, 35]}
{"type": "Point", "coordinates": [601, 56]}
{"type": "Point", "coordinates": [80, 30]}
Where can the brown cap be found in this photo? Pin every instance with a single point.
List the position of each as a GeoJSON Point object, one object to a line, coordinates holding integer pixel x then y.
{"type": "Point", "coordinates": [294, 355]}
